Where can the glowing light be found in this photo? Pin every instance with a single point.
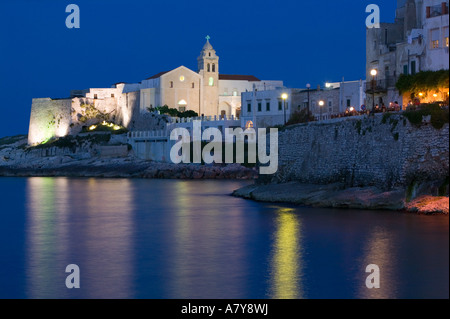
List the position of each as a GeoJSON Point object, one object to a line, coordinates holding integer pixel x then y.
{"type": "Point", "coordinates": [286, 262]}
{"type": "Point", "coordinates": [181, 78]}
{"type": "Point", "coordinates": [321, 103]}
{"type": "Point", "coordinates": [352, 109]}
{"type": "Point", "coordinates": [116, 127]}
{"type": "Point", "coordinates": [110, 124]}
{"type": "Point", "coordinates": [435, 95]}
{"type": "Point", "coordinates": [420, 94]}
{"type": "Point", "coordinates": [327, 85]}
{"type": "Point", "coordinates": [284, 96]}
{"type": "Point", "coordinates": [373, 72]}
{"type": "Point", "coordinates": [182, 102]}
{"type": "Point", "coordinates": [104, 123]}
{"type": "Point", "coordinates": [92, 127]}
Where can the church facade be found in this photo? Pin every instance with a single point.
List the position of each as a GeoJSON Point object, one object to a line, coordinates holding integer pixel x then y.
{"type": "Point", "coordinates": [206, 91]}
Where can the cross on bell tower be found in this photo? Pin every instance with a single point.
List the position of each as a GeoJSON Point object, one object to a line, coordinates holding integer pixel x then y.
{"type": "Point", "coordinates": [208, 60]}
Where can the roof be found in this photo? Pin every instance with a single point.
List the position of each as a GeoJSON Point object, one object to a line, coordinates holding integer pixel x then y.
{"type": "Point", "coordinates": [157, 75]}
{"type": "Point", "coordinates": [207, 46]}
{"type": "Point", "coordinates": [237, 77]}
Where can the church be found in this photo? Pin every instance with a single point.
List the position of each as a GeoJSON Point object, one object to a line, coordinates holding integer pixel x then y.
{"type": "Point", "coordinates": [207, 92]}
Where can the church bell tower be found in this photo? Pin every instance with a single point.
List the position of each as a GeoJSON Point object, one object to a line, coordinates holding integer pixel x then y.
{"type": "Point", "coordinates": [208, 68]}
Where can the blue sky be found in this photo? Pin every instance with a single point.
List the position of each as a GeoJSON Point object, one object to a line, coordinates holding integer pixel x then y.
{"type": "Point", "coordinates": [294, 41]}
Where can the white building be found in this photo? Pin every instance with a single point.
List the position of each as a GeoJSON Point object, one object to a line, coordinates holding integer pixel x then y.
{"type": "Point", "coordinates": [205, 91]}
{"type": "Point", "coordinates": [268, 108]}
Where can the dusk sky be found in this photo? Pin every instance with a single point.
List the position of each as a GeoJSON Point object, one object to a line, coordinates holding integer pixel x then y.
{"type": "Point", "coordinates": [294, 41]}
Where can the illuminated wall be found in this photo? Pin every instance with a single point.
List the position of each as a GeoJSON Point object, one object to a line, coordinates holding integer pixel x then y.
{"type": "Point", "coordinates": [49, 118]}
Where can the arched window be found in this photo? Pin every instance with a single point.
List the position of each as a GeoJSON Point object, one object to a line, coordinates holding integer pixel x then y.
{"type": "Point", "coordinates": [214, 67]}
{"type": "Point", "coordinates": [208, 68]}
{"type": "Point", "coordinates": [248, 124]}
{"type": "Point", "coordinates": [209, 54]}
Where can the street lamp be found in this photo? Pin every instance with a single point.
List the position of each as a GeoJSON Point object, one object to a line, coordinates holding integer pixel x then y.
{"type": "Point", "coordinates": [284, 96]}
{"type": "Point", "coordinates": [321, 103]}
{"type": "Point", "coordinates": [373, 73]}
{"type": "Point", "coordinates": [308, 86]}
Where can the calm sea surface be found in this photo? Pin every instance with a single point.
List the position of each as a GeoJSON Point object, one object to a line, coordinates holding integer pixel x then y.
{"type": "Point", "coordinates": [135, 238]}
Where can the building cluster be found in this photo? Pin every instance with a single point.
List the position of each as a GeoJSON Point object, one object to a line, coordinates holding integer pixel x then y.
{"type": "Point", "coordinates": [416, 41]}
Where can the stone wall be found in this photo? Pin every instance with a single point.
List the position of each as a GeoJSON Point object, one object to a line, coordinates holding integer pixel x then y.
{"type": "Point", "coordinates": [61, 117]}
{"type": "Point", "coordinates": [49, 118]}
{"type": "Point", "coordinates": [384, 151]}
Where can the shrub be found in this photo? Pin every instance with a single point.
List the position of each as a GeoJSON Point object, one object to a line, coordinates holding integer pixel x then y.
{"type": "Point", "coordinates": [299, 116]}
{"type": "Point", "coordinates": [438, 116]}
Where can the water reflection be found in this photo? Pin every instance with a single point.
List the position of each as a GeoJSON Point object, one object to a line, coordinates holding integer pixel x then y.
{"type": "Point", "coordinates": [208, 245]}
{"type": "Point", "coordinates": [286, 262]}
{"type": "Point", "coordinates": [380, 250]}
{"type": "Point", "coordinates": [86, 223]}
{"type": "Point", "coordinates": [47, 230]}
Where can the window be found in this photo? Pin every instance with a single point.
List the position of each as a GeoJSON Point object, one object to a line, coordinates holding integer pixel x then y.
{"type": "Point", "coordinates": [112, 95]}
{"type": "Point", "coordinates": [249, 107]}
{"type": "Point", "coordinates": [209, 54]}
{"type": "Point", "coordinates": [211, 81]}
{"type": "Point", "coordinates": [349, 102]}
{"type": "Point", "coordinates": [171, 84]}
{"type": "Point", "coordinates": [182, 108]}
{"type": "Point", "coordinates": [193, 85]}
{"type": "Point", "coordinates": [235, 93]}
{"type": "Point", "coordinates": [280, 105]}
{"type": "Point", "coordinates": [259, 106]}
{"type": "Point", "coordinates": [267, 105]}
{"type": "Point", "coordinates": [435, 38]}
{"type": "Point", "coordinates": [208, 68]}
{"type": "Point", "coordinates": [95, 96]}
{"type": "Point", "coordinates": [405, 69]}
{"type": "Point", "coordinates": [446, 36]}
{"type": "Point", "coordinates": [413, 67]}
{"type": "Point", "coordinates": [330, 103]}
{"type": "Point", "coordinates": [214, 67]}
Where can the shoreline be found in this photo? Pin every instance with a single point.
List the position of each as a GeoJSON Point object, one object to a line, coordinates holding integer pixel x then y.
{"type": "Point", "coordinates": [129, 168]}
{"type": "Point", "coordinates": [338, 196]}
{"type": "Point", "coordinates": [334, 195]}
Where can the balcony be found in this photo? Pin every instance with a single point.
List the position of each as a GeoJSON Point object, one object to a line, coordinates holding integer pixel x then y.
{"type": "Point", "coordinates": [380, 86]}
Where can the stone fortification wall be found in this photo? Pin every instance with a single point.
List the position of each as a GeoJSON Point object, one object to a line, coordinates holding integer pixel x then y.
{"type": "Point", "coordinates": [383, 151]}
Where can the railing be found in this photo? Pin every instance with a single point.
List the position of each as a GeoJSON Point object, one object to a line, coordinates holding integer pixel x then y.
{"type": "Point", "coordinates": [147, 134]}
{"type": "Point", "coordinates": [203, 118]}
{"type": "Point", "coordinates": [379, 86]}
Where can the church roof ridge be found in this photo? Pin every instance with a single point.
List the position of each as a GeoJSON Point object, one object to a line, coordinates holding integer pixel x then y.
{"type": "Point", "coordinates": [239, 77]}
{"type": "Point", "coordinates": [157, 75]}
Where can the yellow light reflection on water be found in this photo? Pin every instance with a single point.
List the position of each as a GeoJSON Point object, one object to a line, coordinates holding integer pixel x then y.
{"type": "Point", "coordinates": [102, 212]}
{"type": "Point", "coordinates": [286, 268]}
